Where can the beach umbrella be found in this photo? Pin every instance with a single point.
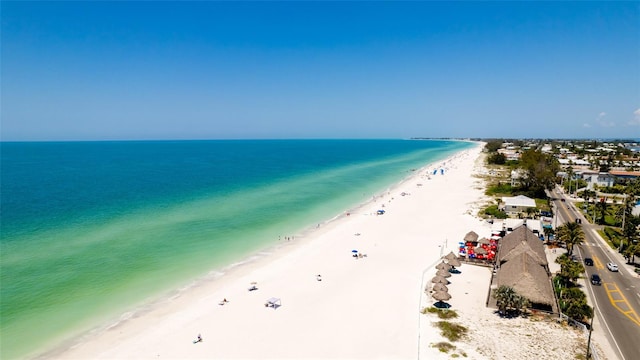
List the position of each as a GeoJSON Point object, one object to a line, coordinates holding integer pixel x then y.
{"type": "Point", "coordinates": [484, 241]}
{"type": "Point", "coordinates": [454, 262]}
{"type": "Point", "coordinates": [443, 273]}
{"type": "Point", "coordinates": [471, 236]}
{"type": "Point", "coordinates": [440, 287]}
{"type": "Point", "coordinates": [443, 266]}
{"type": "Point", "coordinates": [439, 279]}
{"type": "Point", "coordinates": [253, 286]}
{"type": "Point", "coordinates": [450, 256]}
{"type": "Point", "coordinates": [481, 251]}
{"type": "Point", "coordinates": [441, 295]}
{"type": "Point", "coordinates": [354, 251]}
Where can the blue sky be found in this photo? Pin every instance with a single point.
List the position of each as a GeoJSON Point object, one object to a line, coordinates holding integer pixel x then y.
{"type": "Point", "coordinates": [219, 70]}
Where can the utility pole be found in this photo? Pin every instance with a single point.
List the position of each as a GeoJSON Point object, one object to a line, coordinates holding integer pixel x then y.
{"type": "Point", "coordinates": [624, 209]}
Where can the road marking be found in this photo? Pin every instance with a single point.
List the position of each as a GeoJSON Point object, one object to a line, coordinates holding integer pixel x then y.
{"type": "Point", "coordinates": [598, 263]}
{"type": "Point", "coordinates": [620, 301]}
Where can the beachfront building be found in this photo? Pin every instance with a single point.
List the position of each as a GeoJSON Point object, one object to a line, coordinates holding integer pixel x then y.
{"type": "Point", "coordinates": [522, 265]}
{"type": "Point", "coordinates": [517, 204]}
{"type": "Point", "coordinates": [625, 175]}
{"type": "Point", "coordinates": [508, 225]}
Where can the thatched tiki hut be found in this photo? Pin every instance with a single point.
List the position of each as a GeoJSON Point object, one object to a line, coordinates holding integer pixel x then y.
{"type": "Point", "coordinates": [520, 241]}
{"type": "Point", "coordinates": [528, 279]}
{"type": "Point", "coordinates": [471, 237]}
{"type": "Point", "coordinates": [523, 266]}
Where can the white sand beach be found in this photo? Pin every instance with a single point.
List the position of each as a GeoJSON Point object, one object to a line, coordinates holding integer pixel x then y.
{"type": "Point", "coordinates": [359, 308]}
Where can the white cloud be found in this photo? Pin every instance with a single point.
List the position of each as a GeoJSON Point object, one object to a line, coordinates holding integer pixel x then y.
{"type": "Point", "coordinates": [602, 121]}
{"type": "Point", "coordinates": [586, 125]}
{"type": "Point", "coordinates": [636, 118]}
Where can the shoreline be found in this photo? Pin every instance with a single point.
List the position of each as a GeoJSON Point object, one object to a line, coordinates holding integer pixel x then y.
{"type": "Point", "coordinates": [215, 280]}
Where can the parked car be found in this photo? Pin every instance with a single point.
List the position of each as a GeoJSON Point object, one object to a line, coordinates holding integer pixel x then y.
{"type": "Point", "coordinates": [612, 267]}
{"type": "Point", "coordinates": [588, 261]}
{"type": "Point", "coordinates": [595, 279]}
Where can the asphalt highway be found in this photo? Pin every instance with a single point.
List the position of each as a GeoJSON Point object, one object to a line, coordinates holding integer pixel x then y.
{"type": "Point", "coordinates": [617, 299]}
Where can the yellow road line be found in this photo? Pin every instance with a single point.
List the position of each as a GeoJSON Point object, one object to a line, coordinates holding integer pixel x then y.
{"type": "Point", "coordinates": [597, 263]}
{"type": "Point", "coordinates": [612, 288]}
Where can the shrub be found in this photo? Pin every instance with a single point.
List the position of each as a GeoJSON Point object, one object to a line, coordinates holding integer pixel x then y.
{"type": "Point", "coordinates": [612, 235]}
{"type": "Point", "coordinates": [451, 331]}
{"type": "Point", "coordinates": [499, 188]}
{"type": "Point", "coordinates": [444, 347]}
{"type": "Point", "coordinates": [442, 313]}
{"type": "Point", "coordinates": [497, 158]}
{"type": "Point", "coordinates": [493, 211]}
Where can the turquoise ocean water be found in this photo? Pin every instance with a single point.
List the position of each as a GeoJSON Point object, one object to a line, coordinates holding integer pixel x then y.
{"type": "Point", "coordinates": [89, 230]}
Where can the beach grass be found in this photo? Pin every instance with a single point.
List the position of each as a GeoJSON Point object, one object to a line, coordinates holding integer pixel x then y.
{"type": "Point", "coordinates": [451, 331]}
{"type": "Point", "coordinates": [444, 347]}
{"type": "Point", "coordinates": [442, 313]}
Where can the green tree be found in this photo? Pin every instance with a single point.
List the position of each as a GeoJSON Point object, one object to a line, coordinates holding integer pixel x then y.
{"type": "Point", "coordinates": [573, 303]}
{"type": "Point", "coordinates": [605, 165]}
{"type": "Point", "coordinates": [570, 270]}
{"type": "Point", "coordinates": [588, 194]}
{"type": "Point", "coordinates": [509, 302]}
{"type": "Point", "coordinates": [571, 234]}
{"type": "Point", "coordinates": [628, 226]}
{"type": "Point", "coordinates": [601, 208]}
{"type": "Point", "coordinates": [493, 145]}
{"type": "Point", "coordinates": [630, 252]}
{"type": "Point", "coordinates": [570, 180]}
{"type": "Point", "coordinates": [540, 171]}
{"type": "Point", "coordinates": [497, 158]}
{"type": "Point", "coordinates": [548, 231]}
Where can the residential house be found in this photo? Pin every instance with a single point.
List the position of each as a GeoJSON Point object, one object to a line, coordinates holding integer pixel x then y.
{"type": "Point", "coordinates": [517, 204]}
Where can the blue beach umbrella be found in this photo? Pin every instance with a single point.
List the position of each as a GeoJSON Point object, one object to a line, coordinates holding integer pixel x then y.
{"type": "Point", "coordinates": [354, 251]}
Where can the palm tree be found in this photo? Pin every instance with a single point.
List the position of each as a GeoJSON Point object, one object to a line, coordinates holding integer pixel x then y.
{"type": "Point", "coordinates": [602, 207]}
{"type": "Point", "coordinates": [570, 270]}
{"type": "Point", "coordinates": [571, 233]}
{"type": "Point", "coordinates": [548, 231]}
{"type": "Point", "coordinates": [573, 303]}
{"type": "Point", "coordinates": [509, 301]}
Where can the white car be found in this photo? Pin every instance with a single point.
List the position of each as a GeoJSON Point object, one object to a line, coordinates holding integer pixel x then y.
{"type": "Point", "coordinates": [612, 267]}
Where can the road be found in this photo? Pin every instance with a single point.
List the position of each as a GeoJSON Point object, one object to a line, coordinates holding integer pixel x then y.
{"type": "Point", "coordinates": [617, 300]}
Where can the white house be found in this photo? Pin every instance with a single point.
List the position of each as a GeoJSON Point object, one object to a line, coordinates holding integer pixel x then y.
{"type": "Point", "coordinates": [517, 204]}
{"type": "Point", "coordinates": [594, 178]}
